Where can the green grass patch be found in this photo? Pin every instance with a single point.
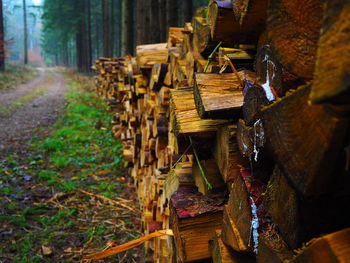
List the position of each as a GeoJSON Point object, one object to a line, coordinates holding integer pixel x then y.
{"type": "Point", "coordinates": [73, 156]}
{"type": "Point", "coordinates": [16, 74]}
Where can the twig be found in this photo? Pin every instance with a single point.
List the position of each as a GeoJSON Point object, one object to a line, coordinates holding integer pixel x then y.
{"type": "Point", "coordinates": [110, 200]}
{"type": "Point", "coordinates": [233, 69]}
{"type": "Point", "coordinates": [134, 243]}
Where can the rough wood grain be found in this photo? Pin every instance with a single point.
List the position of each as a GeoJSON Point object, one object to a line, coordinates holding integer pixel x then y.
{"type": "Point", "coordinates": [293, 30]}
{"type": "Point", "coordinates": [305, 141]}
{"type": "Point", "coordinates": [332, 74]}
{"type": "Point", "coordinates": [220, 96]}
{"type": "Point", "coordinates": [332, 248]}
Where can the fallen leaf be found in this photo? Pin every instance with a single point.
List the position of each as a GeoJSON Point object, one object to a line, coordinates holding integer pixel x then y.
{"type": "Point", "coordinates": [47, 251]}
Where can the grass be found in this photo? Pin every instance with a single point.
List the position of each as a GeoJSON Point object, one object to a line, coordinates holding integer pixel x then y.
{"type": "Point", "coordinates": [39, 192]}
{"type": "Point", "coordinates": [20, 101]}
{"type": "Point", "coordinates": [16, 74]}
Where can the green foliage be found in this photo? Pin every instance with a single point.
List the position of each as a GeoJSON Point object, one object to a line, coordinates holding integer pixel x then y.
{"type": "Point", "coordinates": [75, 155]}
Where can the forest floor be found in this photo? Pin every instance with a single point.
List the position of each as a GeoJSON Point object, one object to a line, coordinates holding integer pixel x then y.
{"type": "Point", "coordinates": [63, 192]}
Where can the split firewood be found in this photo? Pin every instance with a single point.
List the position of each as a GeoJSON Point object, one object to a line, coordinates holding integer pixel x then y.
{"type": "Point", "coordinates": [223, 254]}
{"type": "Point", "coordinates": [194, 219]}
{"type": "Point", "coordinates": [293, 30]}
{"type": "Point", "coordinates": [305, 141]}
{"type": "Point", "coordinates": [333, 56]}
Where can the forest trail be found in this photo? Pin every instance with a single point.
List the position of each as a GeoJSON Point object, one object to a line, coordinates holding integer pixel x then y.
{"type": "Point", "coordinates": [31, 105]}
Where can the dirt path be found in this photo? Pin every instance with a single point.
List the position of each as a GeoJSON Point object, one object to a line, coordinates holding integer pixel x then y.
{"type": "Point", "coordinates": [29, 106]}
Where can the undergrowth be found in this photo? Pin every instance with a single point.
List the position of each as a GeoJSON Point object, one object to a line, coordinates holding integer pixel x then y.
{"type": "Point", "coordinates": [16, 74]}
{"type": "Point", "coordinates": [46, 215]}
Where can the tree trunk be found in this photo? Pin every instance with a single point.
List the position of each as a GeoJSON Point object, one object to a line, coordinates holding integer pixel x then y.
{"type": "Point", "coordinates": [106, 17]}
{"type": "Point", "coordinates": [89, 32]}
{"type": "Point", "coordinates": [81, 39]}
{"type": "Point", "coordinates": [154, 15]}
{"type": "Point", "coordinates": [127, 27]}
{"type": "Point", "coordinates": [172, 13]}
{"type": "Point", "coordinates": [25, 55]}
{"type": "Point", "coordinates": [117, 25]}
{"type": "Point", "coordinates": [140, 25]}
{"type": "Point", "coordinates": [162, 20]}
{"type": "Point", "coordinates": [2, 40]}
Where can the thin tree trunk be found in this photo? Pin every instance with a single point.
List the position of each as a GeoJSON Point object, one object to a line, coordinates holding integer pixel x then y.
{"type": "Point", "coordinates": [82, 39]}
{"type": "Point", "coordinates": [172, 13]}
{"type": "Point", "coordinates": [154, 15]}
{"type": "Point", "coordinates": [162, 20]}
{"type": "Point", "coordinates": [106, 16]}
{"type": "Point", "coordinates": [2, 40]}
{"type": "Point", "coordinates": [112, 27]}
{"type": "Point", "coordinates": [187, 7]}
{"type": "Point", "coordinates": [25, 24]}
{"type": "Point", "coordinates": [117, 24]}
{"type": "Point", "coordinates": [127, 27]}
{"type": "Point", "coordinates": [140, 22]}
{"type": "Point", "coordinates": [89, 32]}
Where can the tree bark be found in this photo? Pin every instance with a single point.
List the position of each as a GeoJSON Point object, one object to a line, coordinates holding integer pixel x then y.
{"type": "Point", "coordinates": [127, 27]}
{"type": "Point", "coordinates": [89, 32]}
{"type": "Point", "coordinates": [106, 17]}
{"type": "Point", "coordinates": [2, 40]}
{"type": "Point", "coordinates": [162, 20]}
{"type": "Point", "coordinates": [154, 15]}
{"type": "Point", "coordinates": [82, 39]}
{"type": "Point", "coordinates": [172, 13]}
{"type": "Point", "coordinates": [25, 24]}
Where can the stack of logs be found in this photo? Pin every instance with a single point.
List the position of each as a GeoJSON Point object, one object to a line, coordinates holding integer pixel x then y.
{"type": "Point", "coordinates": [236, 132]}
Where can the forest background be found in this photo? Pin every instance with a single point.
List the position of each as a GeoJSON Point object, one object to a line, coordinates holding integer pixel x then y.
{"type": "Point", "coordinates": [75, 33]}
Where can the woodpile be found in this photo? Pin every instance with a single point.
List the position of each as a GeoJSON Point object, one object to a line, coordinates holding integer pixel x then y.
{"type": "Point", "coordinates": [222, 138]}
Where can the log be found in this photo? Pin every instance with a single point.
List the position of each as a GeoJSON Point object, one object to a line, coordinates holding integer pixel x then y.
{"type": "Point", "coordinates": [194, 219]}
{"type": "Point", "coordinates": [159, 71]}
{"type": "Point", "coordinates": [202, 43]}
{"type": "Point", "coordinates": [250, 12]}
{"type": "Point", "coordinates": [223, 254]}
{"type": "Point", "coordinates": [272, 248]}
{"type": "Point", "coordinates": [305, 141]}
{"type": "Point", "coordinates": [148, 55]}
{"type": "Point", "coordinates": [255, 97]}
{"type": "Point", "coordinates": [219, 96]}
{"type": "Point", "coordinates": [241, 214]}
{"type": "Point", "coordinates": [184, 116]}
{"type": "Point", "coordinates": [293, 30]}
{"type": "Point", "coordinates": [212, 174]}
{"type": "Point", "coordinates": [333, 56]}
{"type": "Point", "coordinates": [227, 155]}
{"type": "Point", "coordinates": [226, 28]}
{"type": "Point", "coordinates": [175, 37]}
{"type": "Point", "coordinates": [269, 72]}
{"type": "Point", "coordinates": [281, 204]}
{"type": "Point", "coordinates": [331, 248]}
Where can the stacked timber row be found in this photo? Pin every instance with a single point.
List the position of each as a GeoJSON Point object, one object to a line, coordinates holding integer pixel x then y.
{"type": "Point", "coordinates": [236, 132]}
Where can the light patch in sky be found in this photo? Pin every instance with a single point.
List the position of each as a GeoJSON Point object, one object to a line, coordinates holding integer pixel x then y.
{"type": "Point", "coordinates": [37, 2]}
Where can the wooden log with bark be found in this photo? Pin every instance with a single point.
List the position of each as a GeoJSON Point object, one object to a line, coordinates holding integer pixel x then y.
{"type": "Point", "coordinates": [194, 218]}
{"type": "Point", "coordinates": [223, 254]}
{"type": "Point", "coordinates": [227, 28]}
{"type": "Point", "coordinates": [227, 154]}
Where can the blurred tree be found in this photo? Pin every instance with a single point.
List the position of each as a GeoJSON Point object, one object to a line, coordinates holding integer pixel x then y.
{"type": "Point", "coordinates": [2, 39]}
{"type": "Point", "coordinates": [25, 26]}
